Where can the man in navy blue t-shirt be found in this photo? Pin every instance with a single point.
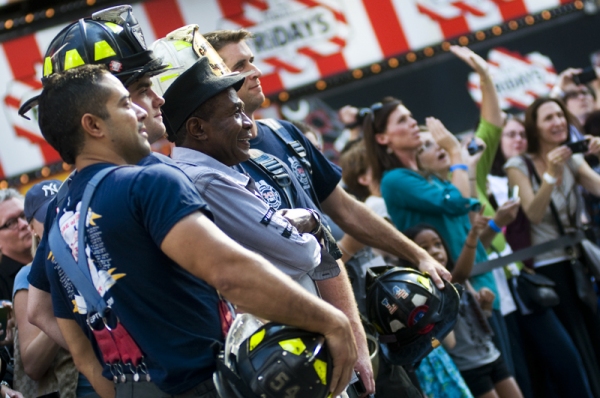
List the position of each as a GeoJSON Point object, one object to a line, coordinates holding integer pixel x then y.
{"type": "Point", "coordinates": [156, 261]}
{"type": "Point", "coordinates": [351, 215]}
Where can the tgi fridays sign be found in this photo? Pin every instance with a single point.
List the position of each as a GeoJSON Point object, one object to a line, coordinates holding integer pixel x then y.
{"type": "Point", "coordinates": [519, 79]}
{"type": "Point", "coordinates": [292, 38]}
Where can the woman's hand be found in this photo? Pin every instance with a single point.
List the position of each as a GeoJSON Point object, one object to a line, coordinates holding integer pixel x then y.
{"type": "Point", "coordinates": [485, 297]}
{"type": "Point", "coordinates": [442, 136]}
{"type": "Point", "coordinates": [556, 160]}
{"type": "Point", "coordinates": [566, 77]}
{"type": "Point", "coordinates": [507, 212]}
{"type": "Point", "coordinates": [477, 63]}
{"type": "Point", "coordinates": [479, 222]}
{"type": "Point", "coordinates": [472, 160]}
{"type": "Point", "coordinates": [593, 145]}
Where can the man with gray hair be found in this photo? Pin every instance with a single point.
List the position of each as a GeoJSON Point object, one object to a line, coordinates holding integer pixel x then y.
{"type": "Point", "coordinates": [15, 240]}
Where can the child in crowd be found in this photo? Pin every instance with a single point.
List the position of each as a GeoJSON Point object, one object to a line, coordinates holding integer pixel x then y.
{"type": "Point", "coordinates": [475, 355]}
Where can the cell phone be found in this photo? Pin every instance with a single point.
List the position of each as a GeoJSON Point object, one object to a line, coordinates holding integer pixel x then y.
{"type": "Point", "coordinates": [54, 394]}
{"type": "Point", "coordinates": [514, 192]}
{"type": "Point", "coordinates": [579, 146]}
{"type": "Point", "coordinates": [474, 147]}
{"type": "Point", "coordinates": [588, 75]}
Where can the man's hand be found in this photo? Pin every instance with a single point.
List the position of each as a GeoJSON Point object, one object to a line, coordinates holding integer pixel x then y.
{"type": "Point", "coordinates": [435, 270]}
{"type": "Point", "coordinates": [365, 368]}
{"type": "Point", "coordinates": [507, 212]}
{"type": "Point", "coordinates": [302, 219]}
{"type": "Point", "coordinates": [341, 345]}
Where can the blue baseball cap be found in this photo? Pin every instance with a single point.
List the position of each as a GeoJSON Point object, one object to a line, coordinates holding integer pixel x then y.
{"type": "Point", "coordinates": [38, 197]}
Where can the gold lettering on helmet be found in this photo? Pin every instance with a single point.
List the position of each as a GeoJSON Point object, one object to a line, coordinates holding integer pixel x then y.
{"type": "Point", "coordinates": [295, 346]}
{"type": "Point", "coordinates": [103, 50]}
{"type": "Point", "coordinates": [321, 369]}
{"type": "Point", "coordinates": [181, 44]}
{"type": "Point", "coordinates": [279, 381]}
{"type": "Point", "coordinates": [114, 27]}
{"type": "Point", "coordinates": [47, 66]}
{"type": "Point", "coordinates": [256, 339]}
{"type": "Point", "coordinates": [73, 59]}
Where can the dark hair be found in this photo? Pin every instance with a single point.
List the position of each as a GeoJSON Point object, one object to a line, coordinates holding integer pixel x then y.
{"type": "Point", "coordinates": [375, 123]}
{"type": "Point", "coordinates": [500, 159]}
{"type": "Point", "coordinates": [412, 232]}
{"type": "Point", "coordinates": [220, 38]}
{"type": "Point", "coordinates": [66, 97]}
{"type": "Point", "coordinates": [353, 162]}
{"type": "Point", "coordinates": [592, 124]}
{"type": "Point", "coordinates": [531, 129]}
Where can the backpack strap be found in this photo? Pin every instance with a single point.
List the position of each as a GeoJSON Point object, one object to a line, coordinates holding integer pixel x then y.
{"type": "Point", "coordinates": [78, 272]}
{"type": "Point", "coordinates": [293, 144]}
{"type": "Point", "coordinates": [276, 171]}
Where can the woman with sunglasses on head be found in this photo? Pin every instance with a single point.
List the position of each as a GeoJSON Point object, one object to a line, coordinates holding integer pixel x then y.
{"type": "Point", "coordinates": [412, 197]}
{"type": "Point", "coordinates": [547, 124]}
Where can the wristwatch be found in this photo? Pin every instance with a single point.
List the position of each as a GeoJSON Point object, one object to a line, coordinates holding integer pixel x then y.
{"type": "Point", "coordinates": [549, 179]}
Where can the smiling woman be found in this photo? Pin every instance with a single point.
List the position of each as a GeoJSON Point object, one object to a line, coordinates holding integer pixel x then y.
{"type": "Point", "coordinates": [560, 172]}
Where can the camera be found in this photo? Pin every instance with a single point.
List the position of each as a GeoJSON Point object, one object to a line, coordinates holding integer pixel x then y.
{"type": "Point", "coordinates": [588, 75]}
{"type": "Point", "coordinates": [473, 147]}
{"type": "Point", "coordinates": [578, 146]}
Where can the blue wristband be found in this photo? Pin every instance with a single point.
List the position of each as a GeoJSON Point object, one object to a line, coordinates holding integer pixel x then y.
{"type": "Point", "coordinates": [459, 166]}
{"type": "Point", "coordinates": [494, 226]}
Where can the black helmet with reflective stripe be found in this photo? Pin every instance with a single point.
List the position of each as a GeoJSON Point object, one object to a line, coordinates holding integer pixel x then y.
{"type": "Point", "coordinates": [274, 361]}
{"type": "Point", "coordinates": [107, 38]}
{"type": "Point", "coordinates": [411, 315]}
{"type": "Point", "coordinates": [112, 37]}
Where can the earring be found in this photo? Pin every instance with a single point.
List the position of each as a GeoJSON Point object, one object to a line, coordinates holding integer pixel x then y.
{"type": "Point", "coordinates": [389, 150]}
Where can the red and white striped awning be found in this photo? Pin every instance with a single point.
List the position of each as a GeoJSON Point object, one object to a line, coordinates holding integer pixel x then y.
{"type": "Point", "coordinates": [298, 42]}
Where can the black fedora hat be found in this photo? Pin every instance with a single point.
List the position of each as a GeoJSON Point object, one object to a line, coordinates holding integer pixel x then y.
{"type": "Point", "coordinates": [191, 89]}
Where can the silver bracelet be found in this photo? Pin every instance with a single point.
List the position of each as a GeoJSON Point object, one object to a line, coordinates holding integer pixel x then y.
{"type": "Point", "coordinates": [549, 179]}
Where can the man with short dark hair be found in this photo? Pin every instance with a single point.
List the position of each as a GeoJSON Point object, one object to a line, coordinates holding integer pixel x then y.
{"type": "Point", "coordinates": [137, 66]}
{"type": "Point", "coordinates": [15, 240]}
{"type": "Point", "coordinates": [155, 259]}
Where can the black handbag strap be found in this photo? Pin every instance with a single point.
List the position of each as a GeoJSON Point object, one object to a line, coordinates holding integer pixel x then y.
{"type": "Point", "coordinates": [533, 171]}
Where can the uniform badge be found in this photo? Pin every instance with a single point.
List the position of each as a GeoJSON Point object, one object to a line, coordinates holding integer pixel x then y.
{"type": "Point", "coordinates": [269, 194]}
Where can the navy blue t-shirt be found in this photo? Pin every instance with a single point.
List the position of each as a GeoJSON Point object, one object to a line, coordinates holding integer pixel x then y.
{"type": "Point", "coordinates": [37, 277]}
{"type": "Point", "coordinates": [171, 315]}
{"type": "Point", "coordinates": [325, 175]}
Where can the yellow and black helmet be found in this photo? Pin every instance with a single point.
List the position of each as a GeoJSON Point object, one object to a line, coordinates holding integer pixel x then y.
{"type": "Point", "coordinates": [112, 37]}
{"type": "Point", "coordinates": [274, 361]}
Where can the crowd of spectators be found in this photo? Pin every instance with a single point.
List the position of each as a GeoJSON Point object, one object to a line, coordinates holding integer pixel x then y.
{"type": "Point", "coordinates": [420, 198]}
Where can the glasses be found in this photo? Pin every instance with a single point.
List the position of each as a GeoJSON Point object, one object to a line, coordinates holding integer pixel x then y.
{"type": "Point", "coordinates": [576, 93]}
{"type": "Point", "coordinates": [514, 134]}
{"type": "Point", "coordinates": [13, 223]}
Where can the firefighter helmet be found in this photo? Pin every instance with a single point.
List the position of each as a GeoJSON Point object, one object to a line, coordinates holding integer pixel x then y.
{"type": "Point", "coordinates": [411, 314]}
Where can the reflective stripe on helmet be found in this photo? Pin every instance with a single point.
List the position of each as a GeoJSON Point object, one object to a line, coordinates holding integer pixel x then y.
{"type": "Point", "coordinates": [73, 59]}
{"type": "Point", "coordinates": [321, 369]}
{"type": "Point", "coordinates": [114, 27]}
{"type": "Point", "coordinates": [181, 44]}
{"type": "Point", "coordinates": [103, 50]}
{"type": "Point", "coordinates": [47, 66]}
{"type": "Point", "coordinates": [256, 338]}
{"type": "Point", "coordinates": [295, 346]}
